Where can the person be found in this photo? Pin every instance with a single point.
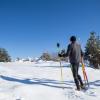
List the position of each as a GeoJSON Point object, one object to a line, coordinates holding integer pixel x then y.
{"type": "Point", "coordinates": [75, 54]}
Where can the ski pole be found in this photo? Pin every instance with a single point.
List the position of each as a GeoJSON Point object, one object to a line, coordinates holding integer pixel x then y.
{"type": "Point", "coordinates": [85, 75]}
{"type": "Point", "coordinates": [58, 46]}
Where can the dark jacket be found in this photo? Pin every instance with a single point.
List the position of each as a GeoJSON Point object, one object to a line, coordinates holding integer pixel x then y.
{"type": "Point", "coordinates": [74, 52]}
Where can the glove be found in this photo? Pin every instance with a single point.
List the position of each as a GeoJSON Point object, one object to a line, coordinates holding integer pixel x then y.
{"type": "Point", "coordinates": [59, 55]}
{"type": "Point", "coordinates": [63, 52]}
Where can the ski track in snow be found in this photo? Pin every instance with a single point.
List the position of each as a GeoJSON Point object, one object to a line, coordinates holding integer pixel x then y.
{"type": "Point", "coordinates": [42, 81]}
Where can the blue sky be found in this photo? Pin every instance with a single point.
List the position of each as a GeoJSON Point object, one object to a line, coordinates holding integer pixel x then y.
{"type": "Point", "coordinates": [30, 27]}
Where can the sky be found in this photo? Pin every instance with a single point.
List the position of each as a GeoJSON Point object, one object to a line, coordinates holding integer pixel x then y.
{"type": "Point", "coordinates": [31, 27]}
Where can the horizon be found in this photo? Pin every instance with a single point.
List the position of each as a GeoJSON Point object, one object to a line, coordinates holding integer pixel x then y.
{"type": "Point", "coordinates": [31, 27]}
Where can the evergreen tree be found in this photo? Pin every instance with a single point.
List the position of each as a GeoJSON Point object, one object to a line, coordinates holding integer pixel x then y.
{"type": "Point", "coordinates": [92, 50]}
{"type": "Point", "coordinates": [4, 56]}
{"type": "Point", "coordinates": [98, 50]}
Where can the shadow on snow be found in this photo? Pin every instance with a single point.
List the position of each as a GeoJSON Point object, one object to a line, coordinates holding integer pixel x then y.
{"type": "Point", "coordinates": [45, 82]}
{"type": "Point", "coordinates": [95, 83]}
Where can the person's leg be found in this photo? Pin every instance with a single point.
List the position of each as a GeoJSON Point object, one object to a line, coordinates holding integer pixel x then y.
{"type": "Point", "coordinates": [79, 77]}
{"type": "Point", "coordinates": [80, 80]}
{"type": "Point", "coordinates": [75, 75]}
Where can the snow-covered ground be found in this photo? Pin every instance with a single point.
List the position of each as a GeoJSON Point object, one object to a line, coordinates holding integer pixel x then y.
{"type": "Point", "coordinates": [42, 81]}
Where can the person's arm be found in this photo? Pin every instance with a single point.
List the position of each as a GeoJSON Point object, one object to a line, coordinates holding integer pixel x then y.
{"type": "Point", "coordinates": [82, 56]}
{"type": "Point", "coordinates": [68, 50]}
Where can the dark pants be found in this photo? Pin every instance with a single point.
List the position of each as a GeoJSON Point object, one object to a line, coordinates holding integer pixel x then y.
{"type": "Point", "coordinates": [77, 77]}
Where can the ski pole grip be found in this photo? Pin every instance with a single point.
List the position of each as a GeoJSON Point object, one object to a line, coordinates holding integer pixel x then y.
{"type": "Point", "coordinates": [58, 45]}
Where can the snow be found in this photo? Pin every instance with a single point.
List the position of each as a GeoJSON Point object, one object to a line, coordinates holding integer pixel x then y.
{"type": "Point", "coordinates": [42, 81]}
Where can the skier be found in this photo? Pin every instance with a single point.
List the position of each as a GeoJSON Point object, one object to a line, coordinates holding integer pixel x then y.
{"type": "Point", "coordinates": [75, 55]}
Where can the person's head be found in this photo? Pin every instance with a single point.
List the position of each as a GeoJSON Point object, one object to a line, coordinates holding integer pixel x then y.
{"type": "Point", "coordinates": [73, 39]}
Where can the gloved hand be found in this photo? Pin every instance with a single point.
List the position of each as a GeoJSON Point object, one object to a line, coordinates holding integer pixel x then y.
{"type": "Point", "coordinates": [62, 54]}
{"type": "Point", "coordinates": [59, 55]}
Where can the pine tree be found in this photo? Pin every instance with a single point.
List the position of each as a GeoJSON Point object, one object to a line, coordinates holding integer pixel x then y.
{"type": "Point", "coordinates": [98, 50]}
{"type": "Point", "coordinates": [92, 50]}
{"type": "Point", "coordinates": [4, 56]}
